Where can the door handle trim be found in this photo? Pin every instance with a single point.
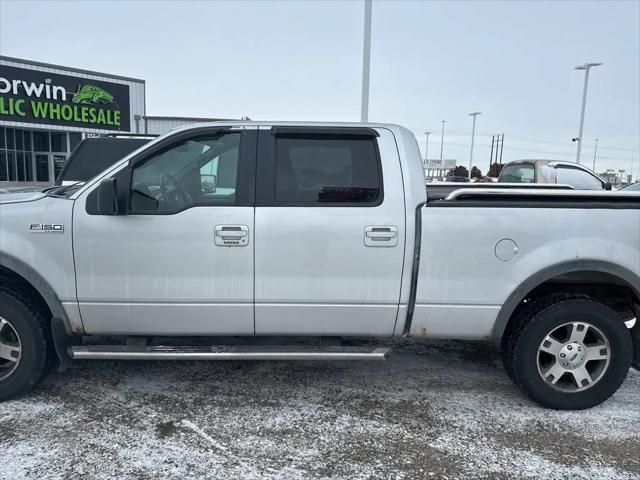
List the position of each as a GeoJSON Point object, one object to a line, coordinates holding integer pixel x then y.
{"type": "Point", "coordinates": [381, 236]}
{"type": "Point", "coordinates": [231, 235]}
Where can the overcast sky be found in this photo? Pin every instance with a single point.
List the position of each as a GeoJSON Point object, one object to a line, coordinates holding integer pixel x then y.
{"type": "Point", "coordinates": [430, 61]}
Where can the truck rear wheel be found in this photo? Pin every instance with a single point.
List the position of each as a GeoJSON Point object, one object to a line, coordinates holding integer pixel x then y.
{"type": "Point", "coordinates": [568, 352]}
{"type": "Point", "coordinates": [24, 348]}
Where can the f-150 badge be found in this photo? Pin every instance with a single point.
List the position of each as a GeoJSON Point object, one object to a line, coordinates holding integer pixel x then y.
{"type": "Point", "coordinates": [46, 228]}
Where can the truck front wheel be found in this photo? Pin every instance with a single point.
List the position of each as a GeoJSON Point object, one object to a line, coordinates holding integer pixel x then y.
{"type": "Point", "coordinates": [24, 348]}
{"type": "Point", "coordinates": [570, 352]}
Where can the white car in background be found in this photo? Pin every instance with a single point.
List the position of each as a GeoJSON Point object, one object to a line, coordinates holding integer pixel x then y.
{"type": "Point", "coordinates": [552, 171]}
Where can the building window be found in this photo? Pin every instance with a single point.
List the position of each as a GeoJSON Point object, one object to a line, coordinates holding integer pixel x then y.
{"type": "Point", "coordinates": [11, 166]}
{"type": "Point", "coordinates": [74, 140]}
{"type": "Point", "coordinates": [27, 140]}
{"type": "Point", "coordinates": [28, 158]}
{"type": "Point", "coordinates": [58, 142]}
{"type": "Point", "coordinates": [10, 143]}
{"type": "Point", "coordinates": [19, 140]}
{"type": "Point", "coordinates": [20, 165]}
{"type": "Point", "coordinates": [58, 164]}
{"type": "Point", "coordinates": [41, 141]}
{"type": "Point", "coordinates": [42, 167]}
{"type": "Point", "coordinates": [31, 155]}
{"type": "Point", "coordinates": [3, 166]}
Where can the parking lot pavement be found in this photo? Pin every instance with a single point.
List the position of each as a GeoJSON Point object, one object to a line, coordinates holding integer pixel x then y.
{"type": "Point", "coordinates": [433, 410]}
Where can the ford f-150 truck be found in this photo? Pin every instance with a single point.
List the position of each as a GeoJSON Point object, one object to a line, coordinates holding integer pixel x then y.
{"type": "Point", "coordinates": [271, 229]}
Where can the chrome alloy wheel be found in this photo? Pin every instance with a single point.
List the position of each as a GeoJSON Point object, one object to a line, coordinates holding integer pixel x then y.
{"type": "Point", "coordinates": [573, 357]}
{"type": "Point", "coordinates": [10, 349]}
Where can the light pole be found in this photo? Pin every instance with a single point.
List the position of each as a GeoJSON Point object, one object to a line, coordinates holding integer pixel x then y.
{"type": "Point", "coordinates": [473, 134]}
{"type": "Point", "coordinates": [586, 67]}
{"type": "Point", "coordinates": [595, 150]}
{"type": "Point", "coordinates": [426, 146]}
{"type": "Point", "coordinates": [442, 141]}
{"type": "Point", "coordinates": [366, 62]}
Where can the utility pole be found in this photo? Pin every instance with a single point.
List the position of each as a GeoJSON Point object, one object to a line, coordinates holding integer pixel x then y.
{"type": "Point", "coordinates": [595, 150]}
{"type": "Point", "coordinates": [586, 67]}
{"type": "Point", "coordinates": [501, 148]}
{"type": "Point", "coordinates": [426, 145]}
{"type": "Point", "coordinates": [442, 140]}
{"type": "Point", "coordinates": [473, 134]}
{"type": "Point", "coordinates": [366, 62]}
{"type": "Point", "coordinates": [493, 138]}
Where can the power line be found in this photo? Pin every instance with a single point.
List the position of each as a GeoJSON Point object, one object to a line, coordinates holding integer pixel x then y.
{"type": "Point", "coordinates": [547, 142]}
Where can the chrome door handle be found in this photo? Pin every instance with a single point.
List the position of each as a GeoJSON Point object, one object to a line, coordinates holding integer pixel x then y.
{"type": "Point", "coordinates": [231, 235]}
{"type": "Point", "coordinates": [380, 236]}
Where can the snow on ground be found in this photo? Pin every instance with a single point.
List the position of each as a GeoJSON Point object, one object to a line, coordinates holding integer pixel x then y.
{"type": "Point", "coordinates": [433, 410]}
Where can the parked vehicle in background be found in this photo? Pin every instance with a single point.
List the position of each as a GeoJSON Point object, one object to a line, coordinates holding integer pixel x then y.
{"type": "Point", "coordinates": [552, 171]}
{"type": "Point", "coordinates": [241, 231]}
{"type": "Point", "coordinates": [634, 187]}
{"type": "Point", "coordinates": [95, 154]}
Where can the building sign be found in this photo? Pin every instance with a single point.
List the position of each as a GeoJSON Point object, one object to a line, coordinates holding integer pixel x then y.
{"type": "Point", "coordinates": [446, 164]}
{"type": "Point", "coordinates": [33, 96]}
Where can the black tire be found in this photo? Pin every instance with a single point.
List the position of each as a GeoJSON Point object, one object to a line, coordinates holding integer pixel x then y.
{"type": "Point", "coordinates": [520, 318]}
{"type": "Point", "coordinates": [28, 321]}
{"type": "Point", "coordinates": [535, 323]}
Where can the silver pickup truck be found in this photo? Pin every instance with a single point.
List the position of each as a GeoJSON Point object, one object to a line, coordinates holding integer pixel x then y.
{"type": "Point", "coordinates": [235, 232]}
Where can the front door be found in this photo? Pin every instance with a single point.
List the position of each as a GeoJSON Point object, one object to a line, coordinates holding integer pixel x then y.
{"type": "Point", "coordinates": [180, 262]}
{"type": "Point", "coordinates": [330, 232]}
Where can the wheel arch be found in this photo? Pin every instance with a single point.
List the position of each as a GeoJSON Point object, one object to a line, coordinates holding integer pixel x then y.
{"type": "Point", "coordinates": [623, 275]}
{"type": "Point", "coordinates": [23, 271]}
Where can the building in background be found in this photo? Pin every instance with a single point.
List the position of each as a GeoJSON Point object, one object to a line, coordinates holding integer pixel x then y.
{"type": "Point", "coordinates": [46, 110]}
{"type": "Point", "coordinates": [437, 170]}
{"type": "Point", "coordinates": [617, 179]}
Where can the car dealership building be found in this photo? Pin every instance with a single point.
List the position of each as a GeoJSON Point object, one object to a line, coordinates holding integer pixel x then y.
{"type": "Point", "coordinates": [46, 110]}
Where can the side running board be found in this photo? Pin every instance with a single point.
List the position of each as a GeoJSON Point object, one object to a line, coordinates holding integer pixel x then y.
{"type": "Point", "coordinates": [131, 352]}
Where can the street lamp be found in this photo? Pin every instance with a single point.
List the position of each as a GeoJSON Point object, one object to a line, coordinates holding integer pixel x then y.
{"type": "Point", "coordinates": [442, 140]}
{"type": "Point", "coordinates": [426, 146]}
{"type": "Point", "coordinates": [595, 150]}
{"type": "Point", "coordinates": [586, 67]}
{"type": "Point", "coordinates": [473, 134]}
{"type": "Point", "coordinates": [366, 62]}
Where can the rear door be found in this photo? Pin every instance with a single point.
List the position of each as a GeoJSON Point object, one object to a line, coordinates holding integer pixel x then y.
{"type": "Point", "coordinates": [329, 231]}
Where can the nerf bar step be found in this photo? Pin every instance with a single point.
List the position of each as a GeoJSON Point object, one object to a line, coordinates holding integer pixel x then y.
{"type": "Point", "coordinates": [223, 352]}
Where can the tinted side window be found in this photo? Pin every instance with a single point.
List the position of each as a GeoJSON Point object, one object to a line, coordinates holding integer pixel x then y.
{"type": "Point", "coordinates": [322, 169]}
{"type": "Point", "coordinates": [194, 172]}
{"type": "Point", "coordinates": [578, 179]}
{"type": "Point", "coordinates": [518, 173]}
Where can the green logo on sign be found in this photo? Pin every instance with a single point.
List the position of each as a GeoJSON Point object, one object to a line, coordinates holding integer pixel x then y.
{"type": "Point", "coordinates": [92, 95]}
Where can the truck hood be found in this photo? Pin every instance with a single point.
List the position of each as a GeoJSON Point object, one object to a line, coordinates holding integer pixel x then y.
{"type": "Point", "coordinates": [20, 196]}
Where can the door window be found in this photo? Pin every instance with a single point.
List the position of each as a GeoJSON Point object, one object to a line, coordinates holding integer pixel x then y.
{"type": "Point", "coordinates": [194, 172]}
{"type": "Point", "coordinates": [327, 170]}
{"type": "Point", "coordinates": [577, 178]}
{"type": "Point", "coordinates": [518, 173]}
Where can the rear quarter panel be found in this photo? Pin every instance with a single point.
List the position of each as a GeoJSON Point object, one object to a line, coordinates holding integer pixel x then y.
{"type": "Point", "coordinates": [461, 282]}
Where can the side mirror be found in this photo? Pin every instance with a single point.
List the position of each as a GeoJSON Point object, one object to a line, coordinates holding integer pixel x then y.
{"type": "Point", "coordinates": [108, 197]}
{"type": "Point", "coordinates": [607, 186]}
